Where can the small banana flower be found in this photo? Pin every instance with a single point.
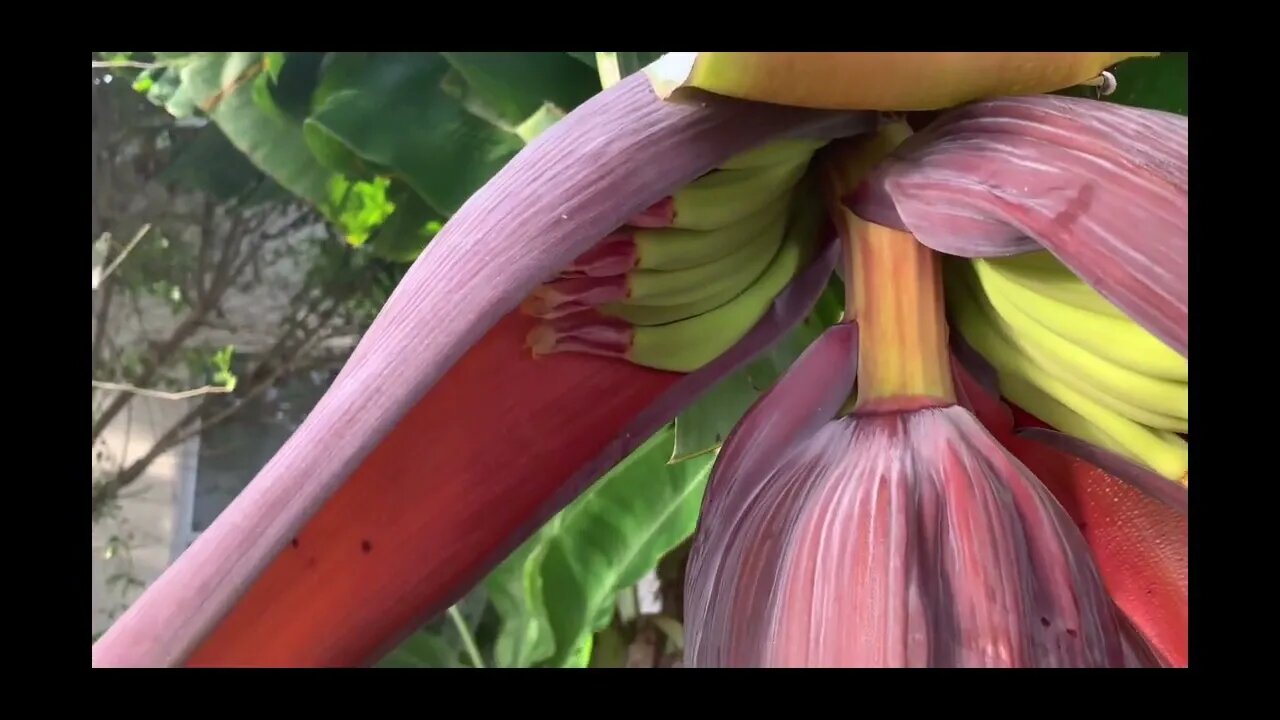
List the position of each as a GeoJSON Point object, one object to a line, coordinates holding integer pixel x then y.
{"type": "Point", "coordinates": [937, 481]}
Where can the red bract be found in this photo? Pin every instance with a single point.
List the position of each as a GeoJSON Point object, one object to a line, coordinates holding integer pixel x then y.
{"type": "Point", "coordinates": [1138, 538]}
{"type": "Point", "coordinates": [443, 442]}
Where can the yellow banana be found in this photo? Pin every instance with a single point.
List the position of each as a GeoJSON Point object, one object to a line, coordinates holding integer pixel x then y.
{"type": "Point", "coordinates": [1044, 274]}
{"type": "Point", "coordinates": [1120, 387]}
{"type": "Point", "coordinates": [1117, 339]}
{"type": "Point", "coordinates": [1162, 451]}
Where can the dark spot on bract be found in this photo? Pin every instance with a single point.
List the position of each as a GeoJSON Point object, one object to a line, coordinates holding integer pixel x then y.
{"type": "Point", "coordinates": [294, 543]}
{"type": "Point", "coordinates": [1072, 632]}
{"type": "Point", "coordinates": [366, 546]}
{"type": "Point", "coordinates": [1044, 621]}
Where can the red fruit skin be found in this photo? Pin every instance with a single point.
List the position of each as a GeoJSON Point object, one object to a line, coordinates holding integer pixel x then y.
{"type": "Point", "coordinates": [1139, 543]}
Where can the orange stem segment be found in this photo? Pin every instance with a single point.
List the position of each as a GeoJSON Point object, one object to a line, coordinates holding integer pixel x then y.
{"type": "Point", "coordinates": [903, 359]}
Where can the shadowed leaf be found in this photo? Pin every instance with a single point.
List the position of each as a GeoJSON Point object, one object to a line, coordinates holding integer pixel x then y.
{"type": "Point", "coordinates": [517, 84]}
{"type": "Point", "coordinates": [387, 114]}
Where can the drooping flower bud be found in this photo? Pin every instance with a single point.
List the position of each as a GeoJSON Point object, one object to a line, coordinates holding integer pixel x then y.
{"type": "Point", "coordinates": [907, 539]}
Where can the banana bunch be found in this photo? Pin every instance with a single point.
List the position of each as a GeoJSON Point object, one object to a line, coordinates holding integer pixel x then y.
{"type": "Point", "coordinates": [1069, 356]}
{"type": "Point", "coordinates": [690, 276]}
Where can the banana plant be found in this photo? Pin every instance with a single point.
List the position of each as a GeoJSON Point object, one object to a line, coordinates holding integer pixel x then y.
{"type": "Point", "coordinates": [983, 463]}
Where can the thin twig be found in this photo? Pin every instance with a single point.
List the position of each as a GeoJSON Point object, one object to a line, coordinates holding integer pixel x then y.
{"type": "Point", "coordinates": [468, 641]}
{"type": "Point", "coordinates": [123, 254]}
{"type": "Point", "coordinates": [125, 64]}
{"type": "Point", "coordinates": [162, 394]}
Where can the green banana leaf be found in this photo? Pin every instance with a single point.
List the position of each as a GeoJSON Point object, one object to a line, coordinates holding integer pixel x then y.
{"type": "Point", "coordinates": [210, 163]}
{"type": "Point", "coordinates": [411, 226]}
{"type": "Point", "coordinates": [358, 135]}
{"type": "Point", "coordinates": [703, 426]}
{"type": "Point", "coordinates": [447, 642]}
{"type": "Point", "coordinates": [1156, 83]}
{"type": "Point", "coordinates": [390, 116]}
{"type": "Point", "coordinates": [423, 650]}
{"type": "Point", "coordinates": [516, 84]}
{"type": "Point", "coordinates": [559, 589]}
{"type": "Point", "coordinates": [221, 85]}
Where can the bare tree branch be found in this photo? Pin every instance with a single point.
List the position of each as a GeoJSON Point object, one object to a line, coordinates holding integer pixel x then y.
{"type": "Point", "coordinates": [142, 232]}
{"type": "Point", "coordinates": [162, 394]}
{"type": "Point", "coordinates": [98, 64]}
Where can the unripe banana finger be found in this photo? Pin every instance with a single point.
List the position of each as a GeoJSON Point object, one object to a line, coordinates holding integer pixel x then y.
{"type": "Point", "coordinates": [726, 276]}
{"type": "Point", "coordinates": [677, 249]}
{"type": "Point", "coordinates": [687, 345]}
{"type": "Point", "coordinates": [778, 152]}
{"type": "Point", "coordinates": [721, 197]}
{"type": "Point", "coordinates": [738, 270]}
{"type": "Point", "coordinates": [663, 314]}
{"type": "Point", "coordinates": [673, 248]}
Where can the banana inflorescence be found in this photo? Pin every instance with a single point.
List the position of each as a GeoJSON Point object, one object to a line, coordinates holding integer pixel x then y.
{"type": "Point", "coordinates": [1068, 356]}
{"type": "Point", "coordinates": [690, 276]}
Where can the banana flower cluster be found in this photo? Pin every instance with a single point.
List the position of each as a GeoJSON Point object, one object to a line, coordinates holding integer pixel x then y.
{"type": "Point", "coordinates": [984, 464]}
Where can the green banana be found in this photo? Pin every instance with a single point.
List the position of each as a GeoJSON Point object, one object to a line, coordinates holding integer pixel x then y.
{"type": "Point", "coordinates": [689, 344]}
{"type": "Point", "coordinates": [1124, 389]}
{"type": "Point", "coordinates": [778, 152]}
{"type": "Point", "coordinates": [1119, 340]}
{"type": "Point", "coordinates": [721, 197]}
{"type": "Point", "coordinates": [676, 249]}
{"type": "Point", "coordinates": [663, 314]}
{"type": "Point", "coordinates": [1162, 451]}
{"type": "Point", "coordinates": [728, 274]}
{"type": "Point", "coordinates": [1042, 272]}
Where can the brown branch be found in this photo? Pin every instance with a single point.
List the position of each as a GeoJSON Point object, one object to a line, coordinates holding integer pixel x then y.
{"type": "Point", "coordinates": [151, 368]}
{"type": "Point", "coordinates": [99, 64]}
{"type": "Point", "coordinates": [100, 323]}
{"type": "Point", "coordinates": [202, 252]}
{"type": "Point", "coordinates": [162, 394]}
{"type": "Point", "coordinates": [119, 258]}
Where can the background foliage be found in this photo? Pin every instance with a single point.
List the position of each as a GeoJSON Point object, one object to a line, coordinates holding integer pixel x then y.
{"type": "Point", "coordinates": [386, 147]}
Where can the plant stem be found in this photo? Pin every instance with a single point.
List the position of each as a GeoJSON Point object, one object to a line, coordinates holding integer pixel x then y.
{"type": "Point", "coordinates": [468, 641]}
{"type": "Point", "coordinates": [903, 357]}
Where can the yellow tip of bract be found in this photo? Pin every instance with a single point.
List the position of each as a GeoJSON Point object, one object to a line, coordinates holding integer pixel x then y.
{"type": "Point", "coordinates": [876, 80]}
